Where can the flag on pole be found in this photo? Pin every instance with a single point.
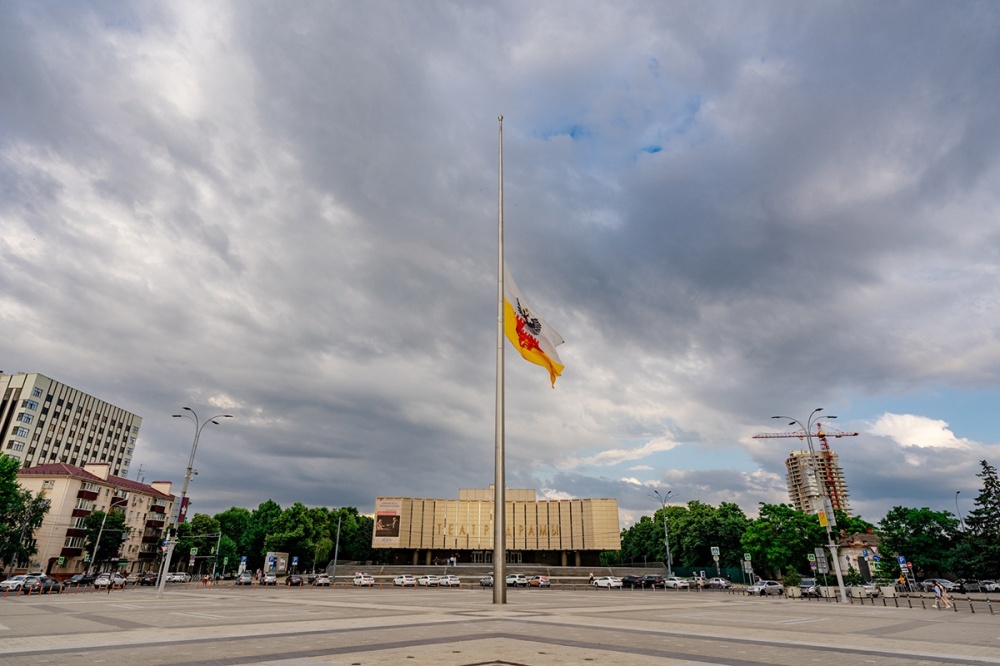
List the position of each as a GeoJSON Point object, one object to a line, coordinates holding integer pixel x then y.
{"type": "Point", "coordinates": [535, 340]}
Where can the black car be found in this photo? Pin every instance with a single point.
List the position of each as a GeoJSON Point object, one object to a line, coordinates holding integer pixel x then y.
{"type": "Point", "coordinates": [294, 580]}
{"type": "Point", "coordinates": [653, 581]}
{"type": "Point", "coordinates": [148, 578]}
{"type": "Point", "coordinates": [79, 580]}
{"type": "Point", "coordinates": [41, 585]}
{"type": "Point", "coordinates": [632, 581]}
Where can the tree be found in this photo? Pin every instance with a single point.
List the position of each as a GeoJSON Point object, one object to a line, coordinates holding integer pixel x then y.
{"type": "Point", "coordinates": [781, 538]}
{"type": "Point", "coordinates": [292, 532]}
{"type": "Point", "coordinates": [21, 513]}
{"type": "Point", "coordinates": [982, 543]}
{"type": "Point", "coordinates": [105, 533]}
{"type": "Point", "coordinates": [643, 541]}
{"type": "Point", "coordinates": [257, 531]}
{"type": "Point", "coordinates": [923, 536]}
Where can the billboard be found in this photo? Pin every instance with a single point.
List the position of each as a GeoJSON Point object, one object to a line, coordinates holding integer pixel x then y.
{"type": "Point", "coordinates": [387, 518]}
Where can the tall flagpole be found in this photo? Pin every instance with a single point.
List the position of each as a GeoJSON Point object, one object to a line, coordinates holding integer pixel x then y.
{"type": "Point", "coordinates": [499, 502]}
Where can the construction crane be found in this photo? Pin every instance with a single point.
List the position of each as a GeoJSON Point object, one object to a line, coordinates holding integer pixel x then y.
{"type": "Point", "coordinates": [821, 433]}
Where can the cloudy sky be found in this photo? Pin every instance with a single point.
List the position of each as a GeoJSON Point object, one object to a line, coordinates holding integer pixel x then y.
{"type": "Point", "coordinates": [288, 212]}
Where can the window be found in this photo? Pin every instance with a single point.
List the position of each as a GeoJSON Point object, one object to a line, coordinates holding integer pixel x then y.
{"type": "Point", "coordinates": [48, 483]}
{"type": "Point", "coordinates": [74, 542]}
{"type": "Point", "coordinates": [25, 418]}
{"type": "Point", "coordinates": [29, 404]}
{"type": "Point", "coordinates": [21, 432]}
{"type": "Point", "coordinates": [85, 504]}
{"type": "Point", "coordinates": [15, 445]}
{"type": "Point", "coordinates": [36, 392]}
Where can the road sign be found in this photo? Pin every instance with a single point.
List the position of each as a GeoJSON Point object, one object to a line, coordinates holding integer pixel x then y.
{"type": "Point", "coordinates": [902, 560]}
{"type": "Point", "coordinates": [812, 565]}
{"type": "Point", "coordinates": [746, 556]}
{"type": "Point", "coordinates": [243, 559]}
{"type": "Point", "coordinates": [225, 560]}
{"type": "Point", "coordinates": [909, 565]}
{"type": "Point", "coordinates": [295, 561]}
{"type": "Point", "coordinates": [811, 557]}
{"type": "Point", "coordinates": [716, 558]}
{"type": "Point", "coordinates": [715, 551]}
{"type": "Point", "coordinates": [876, 558]}
{"type": "Point", "coordinates": [194, 551]}
{"type": "Point", "coordinates": [822, 565]}
{"type": "Point", "coordinates": [864, 552]}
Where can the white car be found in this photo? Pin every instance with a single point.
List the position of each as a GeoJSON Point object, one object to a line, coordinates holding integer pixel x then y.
{"type": "Point", "coordinates": [404, 580]}
{"type": "Point", "coordinates": [449, 581]}
{"type": "Point", "coordinates": [361, 580]}
{"type": "Point", "coordinates": [765, 587]}
{"type": "Point", "coordinates": [721, 583]}
{"type": "Point", "coordinates": [13, 583]}
{"type": "Point", "coordinates": [676, 583]}
{"type": "Point", "coordinates": [428, 581]}
{"type": "Point", "coordinates": [179, 577]}
{"type": "Point", "coordinates": [608, 582]}
{"type": "Point", "coordinates": [517, 580]}
{"type": "Point", "coordinates": [989, 586]}
{"type": "Point", "coordinates": [114, 580]}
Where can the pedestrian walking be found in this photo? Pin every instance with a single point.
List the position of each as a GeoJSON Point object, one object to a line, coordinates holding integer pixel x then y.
{"type": "Point", "coordinates": [941, 595]}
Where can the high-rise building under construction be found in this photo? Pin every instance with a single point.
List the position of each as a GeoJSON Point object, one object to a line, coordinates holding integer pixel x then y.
{"type": "Point", "coordinates": [802, 481]}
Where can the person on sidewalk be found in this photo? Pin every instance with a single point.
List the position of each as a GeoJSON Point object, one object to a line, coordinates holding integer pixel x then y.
{"type": "Point", "coordinates": [941, 595]}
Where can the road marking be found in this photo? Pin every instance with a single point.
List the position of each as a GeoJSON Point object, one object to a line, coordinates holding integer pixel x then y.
{"type": "Point", "coordinates": [4, 628]}
{"type": "Point", "coordinates": [202, 615]}
{"type": "Point", "coordinates": [798, 620]}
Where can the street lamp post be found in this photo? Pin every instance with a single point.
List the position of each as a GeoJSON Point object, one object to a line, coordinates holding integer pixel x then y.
{"type": "Point", "coordinates": [198, 426]}
{"type": "Point", "coordinates": [827, 506]}
{"type": "Point", "coordinates": [960, 519]}
{"type": "Point", "coordinates": [666, 537]}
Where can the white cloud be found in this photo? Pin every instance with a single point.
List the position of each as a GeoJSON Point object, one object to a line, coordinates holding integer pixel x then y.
{"type": "Point", "coordinates": [910, 430]}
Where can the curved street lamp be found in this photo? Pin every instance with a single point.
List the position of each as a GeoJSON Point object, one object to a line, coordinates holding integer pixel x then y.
{"type": "Point", "coordinates": [198, 426]}
{"type": "Point", "coordinates": [827, 507]}
{"type": "Point", "coordinates": [666, 537]}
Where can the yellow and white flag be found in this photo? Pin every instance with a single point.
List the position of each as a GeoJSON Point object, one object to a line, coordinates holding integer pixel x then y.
{"type": "Point", "coordinates": [535, 340]}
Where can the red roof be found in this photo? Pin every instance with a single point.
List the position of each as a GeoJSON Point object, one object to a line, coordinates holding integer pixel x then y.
{"type": "Point", "coordinates": [63, 469]}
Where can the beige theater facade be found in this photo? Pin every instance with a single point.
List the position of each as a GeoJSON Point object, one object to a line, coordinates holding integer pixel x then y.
{"type": "Point", "coordinates": [570, 532]}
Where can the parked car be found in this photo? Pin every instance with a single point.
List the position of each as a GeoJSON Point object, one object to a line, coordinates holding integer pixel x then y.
{"type": "Point", "coordinates": [79, 580]}
{"type": "Point", "coordinates": [450, 580]}
{"type": "Point", "coordinates": [269, 579]}
{"type": "Point", "coordinates": [697, 581]}
{"type": "Point", "coordinates": [404, 580]}
{"type": "Point", "coordinates": [322, 580]}
{"type": "Point", "coordinates": [809, 587]}
{"type": "Point", "coordinates": [40, 585]}
{"type": "Point", "coordinates": [608, 582]}
{"type": "Point", "coordinates": [13, 583]}
{"type": "Point", "coordinates": [517, 580]}
{"type": "Point", "coordinates": [132, 577]}
{"type": "Point", "coordinates": [989, 586]}
{"type": "Point", "coordinates": [364, 580]}
{"type": "Point", "coordinates": [871, 589]}
{"type": "Point", "coordinates": [244, 579]}
{"type": "Point", "coordinates": [149, 578]}
{"type": "Point", "coordinates": [967, 585]}
{"type": "Point", "coordinates": [653, 581]}
{"type": "Point", "coordinates": [539, 581]}
{"type": "Point", "coordinates": [114, 580]}
{"type": "Point", "coordinates": [631, 581]}
{"type": "Point", "coordinates": [294, 580]}
{"type": "Point", "coordinates": [766, 587]}
{"type": "Point", "coordinates": [486, 581]}
{"type": "Point", "coordinates": [927, 584]}
{"type": "Point", "coordinates": [676, 583]}
{"type": "Point", "coordinates": [428, 581]}
{"type": "Point", "coordinates": [179, 577]}
{"type": "Point", "coordinates": [720, 583]}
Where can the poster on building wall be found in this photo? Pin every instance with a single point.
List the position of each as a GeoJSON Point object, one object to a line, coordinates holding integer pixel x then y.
{"type": "Point", "coordinates": [387, 517]}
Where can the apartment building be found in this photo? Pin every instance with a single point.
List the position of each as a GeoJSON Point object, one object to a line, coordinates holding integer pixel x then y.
{"type": "Point", "coordinates": [802, 488]}
{"type": "Point", "coordinates": [43, 421]}
{"type": "Point", "coordinates": [74, 493]}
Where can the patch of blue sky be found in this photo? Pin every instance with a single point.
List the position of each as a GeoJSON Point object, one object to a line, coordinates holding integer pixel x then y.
{"type": "Point", "coordinates": [574, 131]}
{"type": "Point", "coordinates": [970, 414]}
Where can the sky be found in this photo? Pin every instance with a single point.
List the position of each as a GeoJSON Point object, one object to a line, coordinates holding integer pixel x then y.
{"type": "Point", "coordinates": [288, 212]}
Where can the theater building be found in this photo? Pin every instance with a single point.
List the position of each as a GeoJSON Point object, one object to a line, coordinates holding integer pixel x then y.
{"type": "Point", "coordinates": [564, 532]}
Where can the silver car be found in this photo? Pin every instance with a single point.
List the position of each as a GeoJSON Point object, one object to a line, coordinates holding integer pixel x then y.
{"type": "Point", "coordinates": [766, 587]}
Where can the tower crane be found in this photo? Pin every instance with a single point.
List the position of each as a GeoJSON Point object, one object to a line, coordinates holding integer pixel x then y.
{"type": "Point", "coordinates": [821, 434]}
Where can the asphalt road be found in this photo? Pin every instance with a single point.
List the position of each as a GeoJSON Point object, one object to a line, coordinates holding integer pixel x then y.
{"type": "Point", "coordinates": [299, 627]}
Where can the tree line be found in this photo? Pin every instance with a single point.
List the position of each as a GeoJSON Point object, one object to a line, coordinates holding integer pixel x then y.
{"type": "Point", "coordinates": [780, 538]}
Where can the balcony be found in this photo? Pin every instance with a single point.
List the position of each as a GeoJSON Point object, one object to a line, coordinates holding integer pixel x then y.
{"type": "Point", "coordinates": [155, 523]}
{"type": "Point", "coordinates": [88, 494]}
{"type": "Point", "coordinates": [158, 508]}
{"type": "Point", "coordinates": [76, 532]}
{"type": "Point", "coordinates": [152, 538]}
{"type": "Point", "coordinates": [81, 513]}
{"type": "Point", "coordinates": [71, 552]}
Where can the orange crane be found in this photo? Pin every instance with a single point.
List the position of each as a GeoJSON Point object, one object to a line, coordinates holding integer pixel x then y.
{"type": "Point", "coordinates": [821, 434]}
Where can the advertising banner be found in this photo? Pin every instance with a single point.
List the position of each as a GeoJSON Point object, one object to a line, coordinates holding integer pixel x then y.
{"type": "Point", "coordinates": [387, 518]}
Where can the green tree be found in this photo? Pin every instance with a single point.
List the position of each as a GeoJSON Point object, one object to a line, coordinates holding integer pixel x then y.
{"type": "Point", "coordinates": [981, 546]}
{"type": "Point", "coordinates": [235, 525]}
{"type": "Point", "coordinates": [111, 531]}
{"type": "Point", "coordinates": [260, 526]}
{"type": "Point", "coordinates": [781, 538]}
{"type": "Point", "coordinates": [923, 536]}
{"type": "Point", "coordinates": [21, 513]}
{"type": "Point", "coordinates": [292, 532]}
{"type": "Point", "coordinates": [701, 527]}
{"type": "Point", "coordinates": [643, 541]}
